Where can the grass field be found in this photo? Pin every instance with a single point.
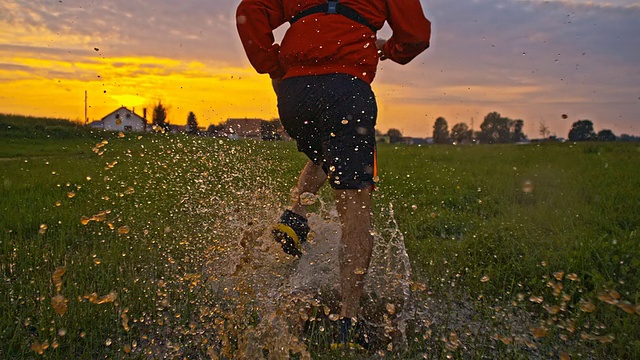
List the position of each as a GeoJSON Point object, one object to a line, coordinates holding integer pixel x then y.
{"type": "Point", "coordinates": [104, 245]}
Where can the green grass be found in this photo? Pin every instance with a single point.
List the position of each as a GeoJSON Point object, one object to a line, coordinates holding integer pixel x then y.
{"type": "Point", "coordinates": [466, 213]}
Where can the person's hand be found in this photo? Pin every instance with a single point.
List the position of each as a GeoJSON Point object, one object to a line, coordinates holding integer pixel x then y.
{"type": "Point", "coordinates": [275, 83]}
{"type": "Point", "coordinates": [380, 45]}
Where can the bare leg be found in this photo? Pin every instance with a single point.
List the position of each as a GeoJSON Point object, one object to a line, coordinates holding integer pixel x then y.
{"type": "Point", "coordinates": [311, 180]}
{"type": "Point", "coordinates": [354, 207]}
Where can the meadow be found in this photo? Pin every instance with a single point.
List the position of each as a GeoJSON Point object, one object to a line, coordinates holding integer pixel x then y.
{"type": "Point", "coordinates": [107, 241]}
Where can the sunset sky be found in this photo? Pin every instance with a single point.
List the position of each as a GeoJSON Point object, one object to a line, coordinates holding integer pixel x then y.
{"type": "Point", "coordinates": [530, 60]}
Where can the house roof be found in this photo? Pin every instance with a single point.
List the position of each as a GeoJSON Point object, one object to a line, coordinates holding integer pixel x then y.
{"type": "Point", "coordinates": [122, 108]}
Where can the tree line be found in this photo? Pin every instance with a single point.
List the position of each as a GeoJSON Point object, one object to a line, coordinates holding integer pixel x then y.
{"type": "Point", "coordinates": [495, 129]}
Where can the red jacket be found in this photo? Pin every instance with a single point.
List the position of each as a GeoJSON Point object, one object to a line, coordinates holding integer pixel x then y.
{"type": "Point", "coordinates": [323, 44]}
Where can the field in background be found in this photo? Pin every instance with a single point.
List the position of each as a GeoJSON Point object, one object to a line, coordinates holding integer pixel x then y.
{"type": "Point", "coordinates": [101, 242]}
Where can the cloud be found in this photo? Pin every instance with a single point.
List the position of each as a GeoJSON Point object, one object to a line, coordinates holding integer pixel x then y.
{"type": "Point", "coordinates": [187, 30]}
{"type": "Point", "coordinates": [527, 57]}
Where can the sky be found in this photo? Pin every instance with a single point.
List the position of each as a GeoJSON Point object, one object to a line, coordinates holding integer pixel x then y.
{"type": "Point", "coordinates": [526, 59]}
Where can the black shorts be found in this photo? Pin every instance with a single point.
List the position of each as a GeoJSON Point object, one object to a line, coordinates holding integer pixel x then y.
{"type": "Point", "coordinates": [332, 118]}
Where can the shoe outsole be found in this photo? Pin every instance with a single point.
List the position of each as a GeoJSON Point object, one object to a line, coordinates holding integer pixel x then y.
{"type": "Point", "coordinates": [291, 232]}
{"type": "Point", "coordinates": [288, 239]}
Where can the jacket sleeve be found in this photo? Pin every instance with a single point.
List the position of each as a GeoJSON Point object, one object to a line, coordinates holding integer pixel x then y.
{"type": "Point", "coordinates": [255, 21]}
{"type": "Point", "coordinates": [411, 30]}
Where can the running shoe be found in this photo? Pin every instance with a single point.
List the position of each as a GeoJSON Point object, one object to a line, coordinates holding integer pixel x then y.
{"type": "Point", "coordinates": [291, 232]}
{"type": "Point", "coordinates": [351, 335]}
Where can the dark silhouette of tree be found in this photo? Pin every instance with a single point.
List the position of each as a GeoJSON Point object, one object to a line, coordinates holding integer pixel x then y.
{"type": "Point", "coordinates": [627, 137]}
{"type": "Point", "coordinates": [192, 123]}
{"type": "Point", "coordinates": [517, 134]}
{"type": "Point", "coordinates": [495, 129]}
{"type": "Point", "coordinates": [460, 133]}
{"type": "Point", "coordinates": [160, 116]}
{"type": "Point", "coordinates": [214, 130]}
{"type": "Point", "coordinates": [441, 131]}
{"type": "Point", "coordinates": [394, 135]}
{"type": "Point", "coordinates": [606, 135]}
{"type": "Point", "coordinates": [269, 130]}
{"type": "Point", "coordinates": [544, 130]}
{"type": "Point", "coordinates": [582, 130]}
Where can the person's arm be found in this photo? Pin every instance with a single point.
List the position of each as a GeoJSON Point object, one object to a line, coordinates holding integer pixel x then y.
{"type": "Point", "coordinates": [255, 20]}
{"type": "Point", "coordinates": [411, 31]}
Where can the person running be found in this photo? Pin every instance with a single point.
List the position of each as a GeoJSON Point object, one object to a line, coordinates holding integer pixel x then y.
{"type": "Point", "coordinates": [321, 74]}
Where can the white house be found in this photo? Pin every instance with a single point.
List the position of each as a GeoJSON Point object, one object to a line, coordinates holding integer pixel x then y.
{"type": "Point", "coordinates": [122, 119]}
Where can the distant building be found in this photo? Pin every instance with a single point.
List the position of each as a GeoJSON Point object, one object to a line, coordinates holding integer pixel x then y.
{"type": "Point", "coordinates": [122, 119]}
{"type": "Point", "coordinates": [243, 128]}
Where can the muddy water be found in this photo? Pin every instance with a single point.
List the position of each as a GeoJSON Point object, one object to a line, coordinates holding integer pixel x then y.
{"type": "Point", "coordinates": [295, 300]}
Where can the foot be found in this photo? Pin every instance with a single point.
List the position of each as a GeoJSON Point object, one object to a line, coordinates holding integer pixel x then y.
{"type": "Point", "coordinates": [351, 335]}
{"type": "Point", "coordinates": [291, 232]}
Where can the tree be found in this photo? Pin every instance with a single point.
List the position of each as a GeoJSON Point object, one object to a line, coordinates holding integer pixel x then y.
{"type": "Point", "coordinates": [441, 131]}
{"type": "Point", "coordinates": [160, 116]}
{"type": "Point", "coordinates": [544, 130]}
{"type": "Point", "coordinates": [518, 135]}
{"type": "Point", "coordinates": [214, 130]}
{"type": "Point", "coordinates": [394, 135]}
{"type": "Point", "coordinates": [495, 129]}
{"type": "Point", "coordinates": [582, 130]}
{"type": "Point", "coordinates": [269, 130]}
{"type": "Point", "coordinates": [192, 123]}
{"type": "Point", "coordinates": [606, 135]}
{"type": "Point", "coordinates": [460, 133]}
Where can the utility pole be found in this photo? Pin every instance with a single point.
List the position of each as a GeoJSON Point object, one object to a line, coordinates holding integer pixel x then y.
{"type": "Point", "coordinates": [86, 119]}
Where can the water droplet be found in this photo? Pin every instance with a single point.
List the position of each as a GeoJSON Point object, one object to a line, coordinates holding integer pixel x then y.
{"type": "Point", "coordinates": [59, 304]}
{"type": "Point", "coordinates": [559, 275]}
{"type": "Point", "coordinates": [573, 277]}
{"type": "Point", "coordinates": [536, 299]}
{"type": "Point", "coordinates": [391, 308]}
{"type": "Point", "coordinates": [538, 332]}
{"type": "Point", "coordinates": [308, 198]}
{"type": "Point", "coordinates": [611, 296]}
{"type": "Point", "coordinates": [56, 278]}
{"type": "Point", "coordinates": [39, 348]}
{"type": "Point", "coordinates": [627, 307]}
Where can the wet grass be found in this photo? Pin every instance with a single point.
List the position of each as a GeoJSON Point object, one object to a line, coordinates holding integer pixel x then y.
{"type": "Point", "coordinates": [488, 230]}
{"type": "Point", "coordinates": [505, 223]}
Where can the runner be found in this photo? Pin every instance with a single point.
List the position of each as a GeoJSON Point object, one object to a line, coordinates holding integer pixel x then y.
{"type": "Point", "coordinates": [321, 74]}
